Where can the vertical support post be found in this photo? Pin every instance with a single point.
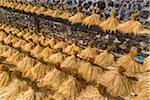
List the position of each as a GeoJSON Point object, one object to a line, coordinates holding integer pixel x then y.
{"type": "Point", "coordinates": [37, 25]}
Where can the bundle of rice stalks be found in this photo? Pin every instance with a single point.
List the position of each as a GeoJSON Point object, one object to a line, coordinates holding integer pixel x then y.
{"type": "Point", "coordinates": [25, 65]}
{"type": "Point", "coordinates": [27, 35]}
{"type": "Point", "coordinates": [18, 6]}
{"type": "Point", "coordinates": [105, 59]}
{"type": "Point", "coordinates": [14, 40]}
{"type": "Point", "coordinates": [66, 14]}
{"type": "Point", "coordinates": [4, 75]}
{"type": "Point", "coordinates": [146, 64]}
{"type": "Point", "coordinates": [34, 38]}
{"type": "Point", "coordinates": [29, 46]}
{"type": "Point", "coordinates": [45, 53]}
{"type": "Point", "coordinates": [36, 50]}
{"type": "Point", "coordinates": [71, 49]}
{"type": "Point", "coordinates": [35, 8]}
{"type": "Point", "coordinates": [71, 64]}
{"type": "Point", "coordinates": [8, 53]}
{"type": "Point", "coordinates": [15, 58]}
{"type": "Point", "coordinates": [131, 66]}
{"type": "Point", "coordinates": [111, 23]}
{"type": "Point", "coordinates": [40, 10]}
{"type": "Point", "coordinates": [19, 44]}
{"type": "Point", "coordinates": [69, 90]}
{"type": "Point", "coordinates": [116, 83]}
{"type": "Point", "coordinates": [14, 88]}
{"type": "Point", "coordinates": [89, 53]}
{"type": "Point", "coordinates": [38, 71]}
{"type": "Point", "coordinates": [94, 19]}
{"type": "Point", "coordinates": [57, 12]}
{"type": "Point", "coordinates": [61, 45]}
{"type": "Point", "coordinates": [16, 31]}
{"type": "Point", "coordinates": [48, 12]}
{"type": "Point", "coordinates": [27, 8]}
{"type": "Point", "coordinates": [143, 88]}
{"type": "Point", "coordinates": [51, 42]}
{"type": "Point", "coordinates": [56, 58]}
{"type": "Point", "coordinates": [89, 72]}
{"type": "Point", "coordinates": [133, 26]}
{"type": "Point", "coordinates": [52, 79]}
{"type": "Point", "coordinates": [78, 17]}
{"type": "Point", "coordinates": [23, 7]}
{"type": "Point", "coordinates": [21, 33]}
{"type": "Point", "coordinates": [41, 40]}
{"type": "Point", "coordinates": [3, 49]}
{"type": "Point", "coordinates": [8, 39]}
{"type": "Point", "coordinates": [3, 35]}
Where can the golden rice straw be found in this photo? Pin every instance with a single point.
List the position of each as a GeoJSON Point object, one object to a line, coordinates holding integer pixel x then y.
{"type": "Point", "coordinates": [48, 12]}
{"type": "Point", "coordinates": [27, 34]}
{"type": "Point", "coordinates": [19, 44]}
{"type": "Point", "coordinates": [38, 71]}
{"type": "Point", "coordinates": [78, 17]}
{"type": "Point", "coordinates": [89, 53]}
{"type": "Point", "coordinates": [18, 6]}
{"type": "Point", "coordinates": [51, 42]}
{"type": "Point", "coordinates": [34, 38]}
{"type": "Point", "coordinates": [3, 49]}
{"type": "Point", "coordinates": [69, 90]}
{"type": "Point", "coordinates": [45, 53]}
{"type": "Point", "coordinates": [16, 31]}
{"type": "Point", "coordinates": [13, 89]}
{"type": "Point", "coordinates": [71, 49]}
{"type": "Point", "coordinates": [93, 19]}
{"type": "Point", "coordinates": [36, 50]}
{"type": "Point", "coordinates": [25, 65]}
{"type": "Point", "coordinates": [146, 64]}
{"type": "Point", "coordinates": [15, 58]}
{"type": "Point", "coordinates": [133, 26]}
{"type": "Point", "coordinates": [28, 47]}
{"type": "Point", "coordinates": [89, 72]}
{"type": "Point", "coordinates": [8, 39]}
{"type": "Point", "coordinates": [131, 66]}
{"type": "Point", "coordinates": [105, 59]}
{"type": "Point", "coordinates": [21, 33]}
{"type": "Point", "coordinates": [52, 79]}
{"type": "Point", "coordinates": [61, 45]}
{"type": "Point", "coordinates": [66, 14]}
{"type": "Point", "coordinates": [23, 7]}
{"type": "Point", "coordinates": [56, 58]}
{"type": "Point", "coordinates": [116, 83]}
{"type": "Point", "coordinates": [14, 40]}
{"type": "Point", "coordinates": [111, 23]}
{"type": "Point", "coordinates": [3, 35]}
{"type": "Point", "coordinates": [57, 12]}
{"type": "Point", "coordinates": [34, 9]}
{"type": "Point", "coordinates": [41, 39]}
{"type": "Point", "coordinates": [143, 91]}
{"type": "Point", "coordinates": [40, 10]}
{"type": "Point", "coordinates": [8, 53]}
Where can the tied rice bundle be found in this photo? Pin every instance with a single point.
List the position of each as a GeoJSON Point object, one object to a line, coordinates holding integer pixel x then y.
{"type": "Point", "coordinates": [25, 65]}
{"type": "Point", "coordinates": [78, 17]}
{"type": "Point", "coordinates": [15, 58]}
{"type": "Point", "coordinates": [18, 6]}
{"type": "Point", "coordinates": [35, 8]}
{"type": "Point", "coordinates": [69, 90]}
{"type": "Point", "coordinates": [53, 79]}
{"type": "Point", "coordinates": [13, 89]}
{"type": "Point", "coordinates": [116, 83]}
{"type": "Point", "coordinates": [146, 64]}
{"type": "Point", "coordinates": [71, 64]}
{"type": "Point", "coordinates": [3, 35]}
{"type": "Point", "coordinates": [111, 23]}
{"type": "Point", "coordinates": [23, 7]}
{"type": "Point", "coordinates": [34, 38]}
{"type": "Point", "coordinates": [4, 76]}
{"type": "Point", "coordinates": [89, 72]}
{"type": "Point", "coordinates": [8, 39]}
{"type": "Point", "coordinates": [133, 26]}
{"type": "Point", "coordinates": [41, 39]}
{"type": "Point", "coordinates": [27, 8]}
{"type": "Point", "coordinates": [38, 71]}
{"type": "Point", "coordinates": [105, 59]}
{"type": "Point", "coordinates": [21, 33]}
{"type": "Point", "coordinates": [56, 58]}
{"type": "Point", "coordinates": [66, 14]}
{"type": "Point", "coordinates": [48, 12]}
{"type": "Point", "coordinates": [36, 50]}
{"type": "Point", "coordinates": [40, 10]}
{"type": "Point", "coordinates": [143, 88]}
{"type": "Point", "coordinates": [93, 19]}
{"type": "Point", "coordinates": [3, 49]}
{"type": "Point", "coordinates": [131, 66]}
{"type": "Point", "coordinates": [32, 94]}
{"type": "Point", "coordinates": [8, 53]}
{"type": "Point", "coordinates": [20, 44]}
{"type": "Point", "coordinates": [88, 53]}
{"type": "Point", "coordinates": [51, 42]}
{"type": "Point", "coordinates": [57, 12]}
{"type": "Point", "coordinates": [28, 47]}
{"type": "Point", "coordinates": [14, 40]}
{"type": "Point", "coordinates": [60, 45]}
{"type": "Point", "coordinates": [45, 53]}
{"type": "Point", "coordinates": [16, 31]}
{"type": "Point", "coordinates": [71, 49]}
{"type": "Point", "coordinates": [27, 35]}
